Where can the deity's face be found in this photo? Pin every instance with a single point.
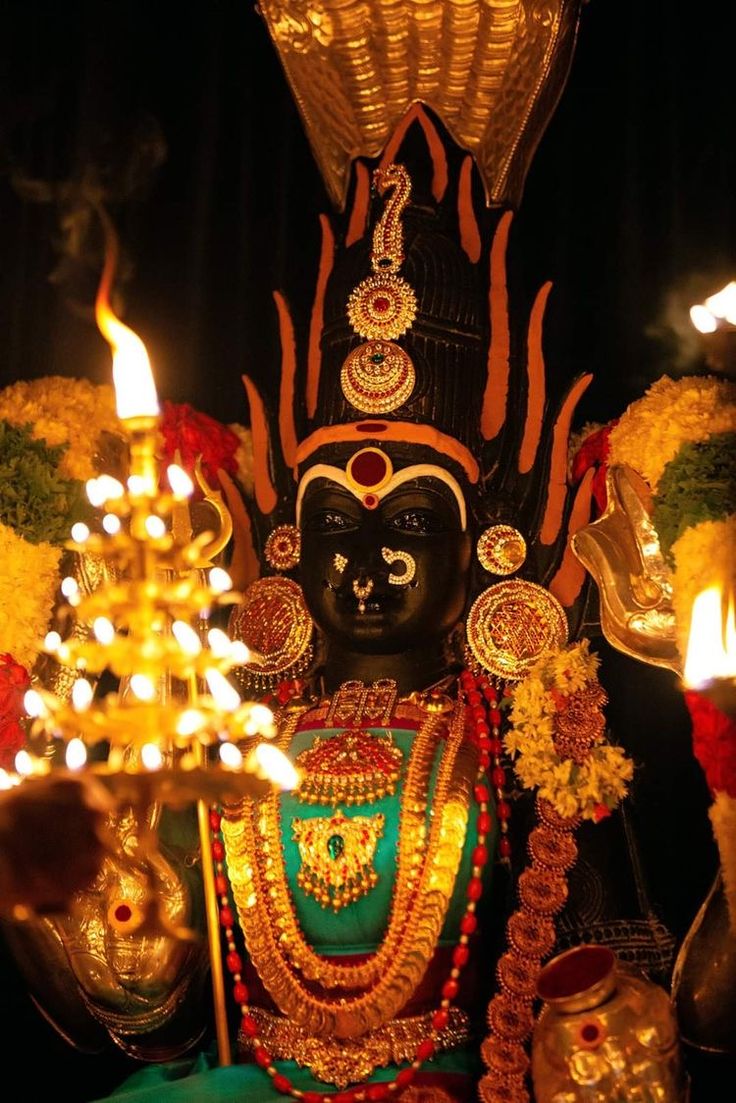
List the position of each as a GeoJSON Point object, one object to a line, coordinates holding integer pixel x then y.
{"type": "Point", "coordinates": [343, 544]}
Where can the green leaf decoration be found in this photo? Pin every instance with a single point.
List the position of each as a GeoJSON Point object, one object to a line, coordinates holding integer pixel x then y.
{"type": "Point", "coordinates": [35, 500]}
{"type": "Point", "coordinates": [699, 484]}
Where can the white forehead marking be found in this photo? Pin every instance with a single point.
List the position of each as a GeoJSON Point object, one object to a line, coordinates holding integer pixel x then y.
{"type": "Point", "coordinates": [416, 471]}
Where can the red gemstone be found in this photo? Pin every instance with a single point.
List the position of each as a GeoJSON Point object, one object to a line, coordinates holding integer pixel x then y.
{"type": "Point", "coordinates": [221, 884]}
{"type": "Point", "coordinates": [312, 1097]}
{"type": "Point", "coordinates": [474, 698]}
{"type": "Point", "coordinates": [215, 820]}
{"type": "Point", "coordinates": [496, 747]}
{"type": "Point", "coordinates": [495, 716]}
{"type": "Point", "coordinates": [484, 760]}
{"type": "Point", "coordinates": [480, 856]}
{"type": "Point", "coordinates": [425, 1050]}
{"type": "Point", "coordinates": [406, 1076]}
{"type": "Point", "coordinates": [503, 808]}
{"type": "Point", "coordinates": [234, 962]}
{"type": "Point", "coordinates": [226, 916]}
{"type": "Point", "coordinates": [460, 956]}
{"type": "Point", "coordinates": [450, 989]}
{"type": "Point", "coordinates": [467, 681]}
{"type": "Point", "coordinates": [478, 713]}
{"type": "Point", "coordinates": [484, 823]}
{"type": "Point", "coordinates": [123, 913]}
{"type": "Point", "coordinates": [240, 992]}
{"type": "Point", "coordinates": [342, 1097]}
{"type": "Point", "coordinates": [281, 1084]}
{"type": "Point", "coordinates": [249, 1026]}
{"type": "Point", "coordinates": [481, 794]}
{"type": "Point", "coordinates": [468, 923]}
{"type": "Point", "coordinates": [504, 848]}
{"type": "Point", "coordinates": [482, 730]}
{"type": "Point", "coordinates": [498, 777]}
{"type": "Point", "coordinates": [381, 304]}
{"type": "Point", "coordinates": [475, 888]}
{"type": "Point", "coordinates": [262, 1057]}
{"type": "Point", "coordinates": [440, 1019]}
{"type": "Point", "coordinates": [218, 850]}
{"type": "Point", "coordinates": [376, 1092]}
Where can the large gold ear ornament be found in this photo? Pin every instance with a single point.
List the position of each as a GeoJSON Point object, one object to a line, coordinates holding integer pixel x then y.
{"type": "Point", "coordinates": [274, 623]}
{"type": "Point", "coordinates": [501, 549]}
{"type": "Point", "coordinates": [511, 624]}
{"type": "Point", "coordinates": [621, 551]}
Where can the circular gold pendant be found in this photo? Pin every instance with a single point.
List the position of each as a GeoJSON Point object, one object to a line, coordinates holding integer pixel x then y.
{"type": "Point", "coordinates": [382, 306]}
{"type": "Point", "coordinates": [274, 623]}
{"type": "Point", "coordinates": [511, 624]}
{"type": "Point", "coordinates": [377, 377]}
{"type": "Point", "coordinates": [501, 549]}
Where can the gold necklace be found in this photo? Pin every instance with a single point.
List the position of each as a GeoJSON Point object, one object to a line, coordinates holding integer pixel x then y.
{"type": "Point", "coordinates": [412, 837]}
{"type": "Point", "coordinates": [350, 1017]}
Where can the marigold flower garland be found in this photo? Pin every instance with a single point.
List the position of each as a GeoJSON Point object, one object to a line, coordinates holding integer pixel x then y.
{"type": "Point", "coordinates": [556, 743]}
{"type": "Point", "coordinates": [556, 739]}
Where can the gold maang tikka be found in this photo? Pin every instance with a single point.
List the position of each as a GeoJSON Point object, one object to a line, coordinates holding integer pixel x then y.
{"type": "Point", "coordinates": [378, 376]}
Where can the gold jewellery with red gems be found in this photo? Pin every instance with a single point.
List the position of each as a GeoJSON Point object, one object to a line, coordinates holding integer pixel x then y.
{"type": "Point", "coordinates": [378, 376]}
{"type": "Point", "coordinates": [352, 767]}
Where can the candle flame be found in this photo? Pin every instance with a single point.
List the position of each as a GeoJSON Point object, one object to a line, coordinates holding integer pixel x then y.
{"type": "Point", "coordinates": [135, 391]}
{"type": "Point", "coordinates": [711, 650]}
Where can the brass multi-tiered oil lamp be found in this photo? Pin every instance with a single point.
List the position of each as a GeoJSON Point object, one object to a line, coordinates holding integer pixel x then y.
{"type": "Point", "coordinates": [174, 730]}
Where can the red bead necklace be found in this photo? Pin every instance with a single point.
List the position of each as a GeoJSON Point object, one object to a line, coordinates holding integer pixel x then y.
{"type": "Point", "coordinates": [481, 700]}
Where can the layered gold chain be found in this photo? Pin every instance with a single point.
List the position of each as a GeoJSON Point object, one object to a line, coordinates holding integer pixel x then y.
{"type": "Point", "coordinates": [412, 837]}
{"type": "Point", "coordinates": [260, 892]}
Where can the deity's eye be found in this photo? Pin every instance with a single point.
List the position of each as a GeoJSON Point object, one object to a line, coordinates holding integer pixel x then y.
{"type": "Point", "coordinates": [419, 522]}
{"type": "Point", "coordinates": [329, 520]}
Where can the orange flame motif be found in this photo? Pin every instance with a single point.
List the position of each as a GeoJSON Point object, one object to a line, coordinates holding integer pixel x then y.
{"type": "Point", "coordinates": [135, 390]}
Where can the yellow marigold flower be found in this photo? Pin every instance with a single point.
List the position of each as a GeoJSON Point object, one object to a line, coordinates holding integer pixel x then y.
{"type": "Point", "coordinates": [672, 412]}
{"type": "Point", "coordinates": [64, 411]}
{"type": "Point", "coordinates": [28, 581]}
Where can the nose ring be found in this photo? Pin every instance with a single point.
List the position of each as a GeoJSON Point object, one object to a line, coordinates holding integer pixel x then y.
{"type": "Point", "coordinates": [362, 592]}
{"type": "Point", "coordinates": [410, 566]}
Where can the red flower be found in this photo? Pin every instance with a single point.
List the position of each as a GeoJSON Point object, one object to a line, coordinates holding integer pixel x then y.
{"type": "Point", "coordinates": [192, 433]}
{"type": "Point", "coordinates": [714, 742]}
{"type": "Point", "coordinates": [14, 681]}
{"type": "Point", "coordinates": [593, 452]}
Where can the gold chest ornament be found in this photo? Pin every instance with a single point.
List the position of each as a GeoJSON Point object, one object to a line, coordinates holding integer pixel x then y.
{"type": "Point", "coordinates": [337, 857]}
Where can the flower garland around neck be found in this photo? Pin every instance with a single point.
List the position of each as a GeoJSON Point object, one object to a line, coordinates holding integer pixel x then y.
{"type": "Point", "coordinates": [556, 738]}
{"type": "Point", "coordinates": [556, 741]}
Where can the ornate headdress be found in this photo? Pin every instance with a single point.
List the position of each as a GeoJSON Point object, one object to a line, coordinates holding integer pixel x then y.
{"type": "Point", "coordinates": [416, 348]}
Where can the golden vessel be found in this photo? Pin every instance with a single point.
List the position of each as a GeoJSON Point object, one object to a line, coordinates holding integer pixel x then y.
{"type": "Point", "coordinates": [604, 1034]}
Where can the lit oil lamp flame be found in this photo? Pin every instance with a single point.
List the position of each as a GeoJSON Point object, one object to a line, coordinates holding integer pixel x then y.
{"type": "Point", "coordinates": [711, 650]}
{"type": "Point", "coordinates": [135, 391]}
{"type": "Point", "coordinates": [717, 308]}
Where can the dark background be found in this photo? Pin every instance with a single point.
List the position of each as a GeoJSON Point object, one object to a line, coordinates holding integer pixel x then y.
{"type": "Point", "coordinates": [629, 205]}
{"type": "Point", "coordinates": [180, 117]}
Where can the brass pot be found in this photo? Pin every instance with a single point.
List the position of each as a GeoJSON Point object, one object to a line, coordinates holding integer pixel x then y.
{"type": "Point", "coordinates": [604, 1035]}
